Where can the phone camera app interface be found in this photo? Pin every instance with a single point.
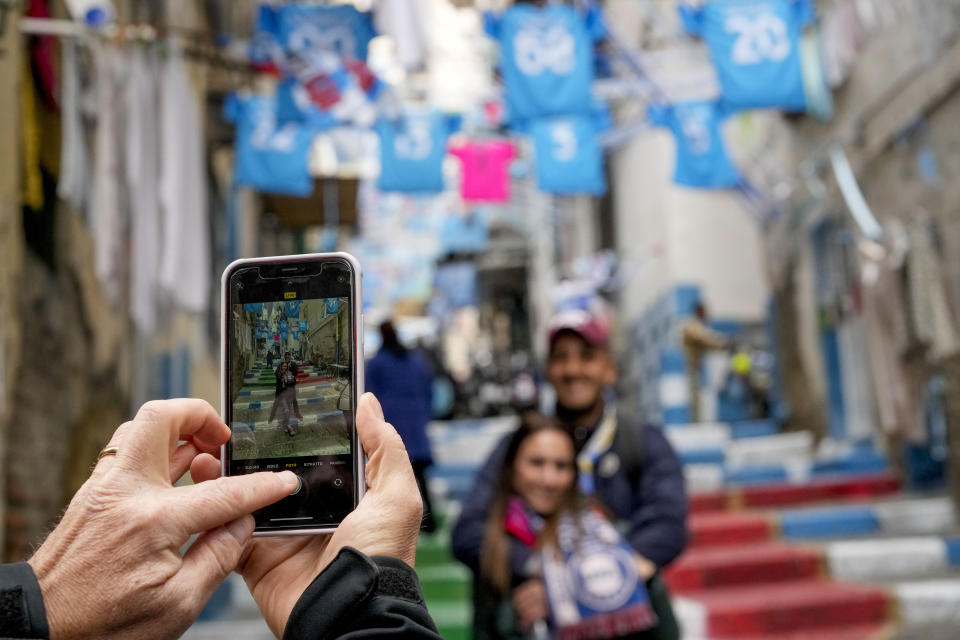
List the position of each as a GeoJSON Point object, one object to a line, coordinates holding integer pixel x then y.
{"type": "Point", "coordinates": [293, 393]}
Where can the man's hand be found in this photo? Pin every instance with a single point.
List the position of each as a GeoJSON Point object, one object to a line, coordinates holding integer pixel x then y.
{"type": "Point", "coordinates": [530, 603]}
{"type": "Point", "coordinates": [385, 523]}
{"type": "Point", "coordinates": [112, 567]}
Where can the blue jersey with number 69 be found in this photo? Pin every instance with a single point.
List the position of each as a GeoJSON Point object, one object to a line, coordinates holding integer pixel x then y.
{"type": "Point", "coordinates": [755, 47]}
{"type": "Point", "coordinates": [546, 59]}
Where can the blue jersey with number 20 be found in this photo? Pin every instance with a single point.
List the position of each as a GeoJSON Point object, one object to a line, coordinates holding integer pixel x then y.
{"type": "Point", "coordinates": [755, 47]}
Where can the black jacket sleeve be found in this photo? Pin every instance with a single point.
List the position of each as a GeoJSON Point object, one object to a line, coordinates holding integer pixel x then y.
{"type": "Point", "coordinates": [359, 597]}
{"type": "Point", "coordinates": [658, 525]}
{"type": "Point", "coordinates": [22, 614]}
{"type": "Point", "coordinates": [467, 535]}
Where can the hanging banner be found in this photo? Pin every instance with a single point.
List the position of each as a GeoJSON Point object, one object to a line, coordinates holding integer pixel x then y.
{"type": "Point", "coordinates": [332, 305]}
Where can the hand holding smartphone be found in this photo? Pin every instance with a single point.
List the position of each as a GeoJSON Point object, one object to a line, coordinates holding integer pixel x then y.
{"type": "Point", "coordinates": [291, 375]}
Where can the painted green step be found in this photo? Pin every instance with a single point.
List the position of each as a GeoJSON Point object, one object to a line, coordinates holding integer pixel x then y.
{"type": "Point", "coordinates": [434, 550]}
{"type": "Point", "coordinates": [445, 583]}
{"type": "Point", "coordinates": [453, 619]}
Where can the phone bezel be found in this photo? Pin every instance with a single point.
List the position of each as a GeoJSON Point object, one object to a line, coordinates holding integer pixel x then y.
{"type": "Point", "coordinates": [359, 482]}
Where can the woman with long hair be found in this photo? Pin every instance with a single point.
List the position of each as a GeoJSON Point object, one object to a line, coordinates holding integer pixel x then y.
{"type": "Point", "coordinates": [552, 565]}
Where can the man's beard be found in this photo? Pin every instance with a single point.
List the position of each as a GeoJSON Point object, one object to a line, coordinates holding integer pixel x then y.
{"type": "Point", "coordinates": [577, 417]}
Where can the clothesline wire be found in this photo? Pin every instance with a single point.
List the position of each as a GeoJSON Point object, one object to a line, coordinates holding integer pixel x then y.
{"type": "Point", "coordinates": [194, 43]}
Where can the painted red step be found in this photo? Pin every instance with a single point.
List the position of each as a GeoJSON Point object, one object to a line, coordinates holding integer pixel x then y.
{"type": "Point", "coordinates": [850, 488]}
{"type": "Point", "coordinates": [708, 501]}
{"type": "Point", "coordinates": [786, 495]}
{"type": "Point", "coordinates": [728, 527]}
{"type": "Point", "coordinates": [855, 632]}
{"type": "Point", "coordinates": [744, 565]}
{"type": "Point", "coordinates": [757, 610]}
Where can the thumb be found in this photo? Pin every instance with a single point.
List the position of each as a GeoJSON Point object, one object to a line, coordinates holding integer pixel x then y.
{"type": "Point", "coordinates": [212, 557]}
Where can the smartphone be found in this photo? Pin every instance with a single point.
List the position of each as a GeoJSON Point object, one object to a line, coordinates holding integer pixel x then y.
{"type": "Point", "coordinates": [292, 351]}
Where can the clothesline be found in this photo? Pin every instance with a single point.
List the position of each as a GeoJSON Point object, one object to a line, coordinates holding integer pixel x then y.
{"type": "Point", "coordinates": [192, 42]}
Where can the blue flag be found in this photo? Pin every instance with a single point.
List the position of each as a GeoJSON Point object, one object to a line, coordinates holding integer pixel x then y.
{"type": "Point", "coordinates": [292, 308]}
{"type": "Point", "coordinates": [568, 158]}
{"type": "Point", "coordinates": [412, 152]}
{"type": "Point", "coordinates": [302, 325]}
{"type": "Point", "coordinates": [755, 47]}
{"type": "Point", "coordinates": [253, 307]}
{"type": "Point", "coordinates": [546, 59]}
{"type": "Point", "coordinates": [268, 157]}
{"type": "Point", "coordinates": [702, 159]}
{"type": "Point", "coordinates": [333, 305]}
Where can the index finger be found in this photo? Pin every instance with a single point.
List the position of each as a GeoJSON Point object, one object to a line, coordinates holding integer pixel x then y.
{"type": "Point", "coordinates": [152, 436]}
{"type": "Point", "coordinates": [205, 505]}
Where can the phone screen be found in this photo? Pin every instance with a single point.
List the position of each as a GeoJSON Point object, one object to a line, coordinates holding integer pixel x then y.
{"type": "Point", "coordinates": [290, 375]}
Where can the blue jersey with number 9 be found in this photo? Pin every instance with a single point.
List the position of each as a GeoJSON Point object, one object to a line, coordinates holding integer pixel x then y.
{"type": "Point", "coordinates": [755, 47]}
{"type": "Point", "coordinates": [546, 59]}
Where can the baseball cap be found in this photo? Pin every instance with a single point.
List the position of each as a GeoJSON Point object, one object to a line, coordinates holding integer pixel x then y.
{"type": "Point", "coordinates": [589, 325]}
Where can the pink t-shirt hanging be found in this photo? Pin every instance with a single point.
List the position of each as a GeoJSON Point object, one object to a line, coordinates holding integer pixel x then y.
{"type": "Point", "coordinates": [485, 174]}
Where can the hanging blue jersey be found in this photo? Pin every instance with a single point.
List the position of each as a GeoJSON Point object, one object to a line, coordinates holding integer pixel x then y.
{"type": "Point", "coordinates": [268, 157]}
{"type": "Point", "coordinates": [546, 59]}
{"type": "Point", "coordinates": [568, 158]}
{"type": "Point", "coordinates": [305, 30]}
{"type": "Point", "coordinates": [755, 46]}
{"type": "Point", "coordinates": [412, 152]}
{"type": "Point", "coordinates": [292, 308]}
{"type": "Point", "coordinates": [701, 159]}
{"type": "Point", "coordinates": [332, 305]}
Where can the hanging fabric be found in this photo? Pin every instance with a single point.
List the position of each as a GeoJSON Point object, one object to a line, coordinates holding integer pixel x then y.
{"type": "Point", "coordinates": [74, 183]}
{"type": "Point", "coordinates": [185, 263]}
{"type": "Point", "coordinates": [142, 147]}
{"type": "Point", "coordinates": [107, 219]}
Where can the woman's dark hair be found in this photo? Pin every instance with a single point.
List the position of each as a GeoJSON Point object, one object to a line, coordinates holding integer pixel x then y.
{"type": "Point", "coordinates": [495, 552]}
{"type": "Point", "coordinates": [391, 342]}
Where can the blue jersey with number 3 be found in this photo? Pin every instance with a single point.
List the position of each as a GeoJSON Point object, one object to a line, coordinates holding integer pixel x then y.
{"type": "Point", "coordinates": [412, 152]}
{"type": "Point", "coordinates": [568, 158]}
{"type": "Point", "coordinates": [546, 59]}
{"type": "Point", "coordinates": [755, 47]}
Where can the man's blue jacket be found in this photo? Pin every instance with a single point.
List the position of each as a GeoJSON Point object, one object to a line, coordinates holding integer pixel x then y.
{"type": "Point", "coordinates": [650, 501]}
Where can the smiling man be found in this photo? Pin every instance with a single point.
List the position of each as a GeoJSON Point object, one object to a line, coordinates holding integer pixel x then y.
{"type": "Point", "coordinates": [626, 465]}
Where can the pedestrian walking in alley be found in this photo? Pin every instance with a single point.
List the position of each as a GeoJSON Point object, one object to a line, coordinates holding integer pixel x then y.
{"type": "Point", "coordinates": [627, 466]}
{"type": "Point", "coordinates": [531, 582]}
{"type": "Point", "coordinates": [285, 407]}
{"type": "Point", "coordinates": [270, 358]}
{"type": "Point", "coordinates": [403, 381]}
{"type": "Point", "coordinates": [698, 338]}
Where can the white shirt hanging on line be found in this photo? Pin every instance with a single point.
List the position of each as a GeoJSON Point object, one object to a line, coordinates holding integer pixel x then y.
{"type": "Point", "coordinates": [185, 261]}
{"type": "Point", "coordinates": [142, 172]}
